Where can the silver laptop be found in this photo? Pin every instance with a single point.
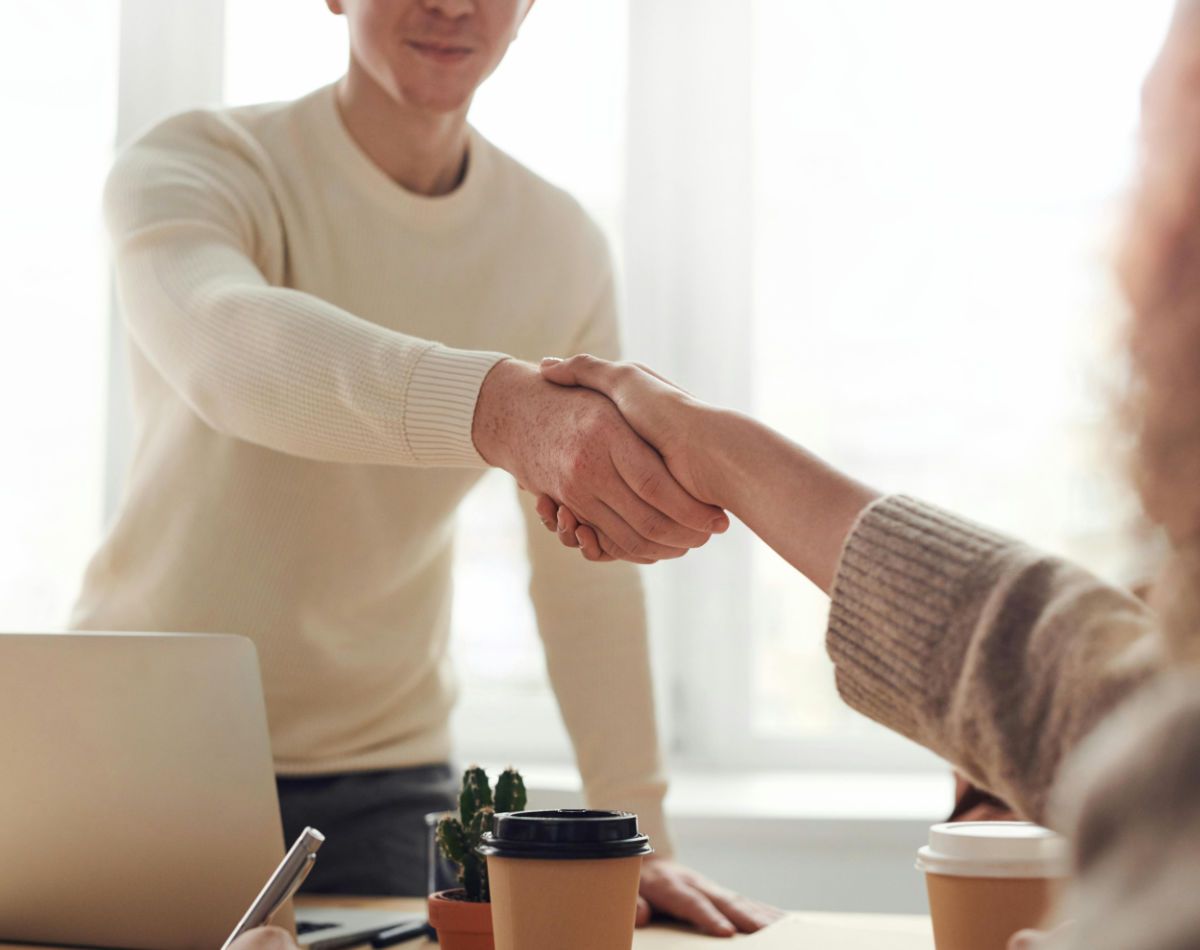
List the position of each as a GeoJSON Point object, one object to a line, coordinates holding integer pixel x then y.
{"type": "Point", "coordinates": [137, 801]}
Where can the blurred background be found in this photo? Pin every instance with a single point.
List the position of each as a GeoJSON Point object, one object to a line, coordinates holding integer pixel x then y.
{"type": "Point", "coordinates": [884, 228]}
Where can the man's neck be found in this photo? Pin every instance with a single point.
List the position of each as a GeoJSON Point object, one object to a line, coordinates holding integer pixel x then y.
{"type": "Point", "coordinates": [422, 151]}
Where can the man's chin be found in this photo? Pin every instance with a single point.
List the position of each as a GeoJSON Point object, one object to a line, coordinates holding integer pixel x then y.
{"type": "Point", "coordinates": [438, 97]}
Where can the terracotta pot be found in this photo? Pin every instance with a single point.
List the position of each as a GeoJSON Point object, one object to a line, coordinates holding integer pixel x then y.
{"type": "Point", "coordinates": [460, 924]}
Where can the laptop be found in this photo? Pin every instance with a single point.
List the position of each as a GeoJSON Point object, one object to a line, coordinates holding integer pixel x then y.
{"type": "Point", "coordinates": [137, 802]}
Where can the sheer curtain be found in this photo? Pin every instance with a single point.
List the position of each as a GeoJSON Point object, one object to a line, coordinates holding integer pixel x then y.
{"type": "Point", "coordinates": [884, 228]}
{"type": "Point", "coordinates": [58, 73]}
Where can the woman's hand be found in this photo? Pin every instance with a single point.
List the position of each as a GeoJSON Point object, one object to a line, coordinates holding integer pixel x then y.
{"type": "Point", "coordinates": [668, 418]}
{"type": "Point", "coordinates": [656, 409]}
{"type": "Point", "coordinates": [798, 504]}
{"type": "Point", "coordinates": [574, 445]}
{"type": "Point", "coordinates": [265, 938]}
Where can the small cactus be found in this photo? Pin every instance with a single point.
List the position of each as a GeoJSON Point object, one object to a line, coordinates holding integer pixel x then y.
{"type": "Point", "coordinates": [459, 837]}
{"type": "Point", "coordinates": [510, 791]}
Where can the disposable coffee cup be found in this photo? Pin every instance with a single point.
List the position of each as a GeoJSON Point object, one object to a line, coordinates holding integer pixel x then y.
{"type": "Point", "coordinates": [989, 879]}
{"type": "Point", "coordinates": [566, 878]}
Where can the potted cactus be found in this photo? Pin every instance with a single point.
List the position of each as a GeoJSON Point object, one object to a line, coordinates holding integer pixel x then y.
{"type": "Point", "coordinates": [462, 916]}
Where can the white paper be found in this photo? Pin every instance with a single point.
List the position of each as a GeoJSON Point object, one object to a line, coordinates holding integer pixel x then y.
{"type": "Point", "coordinates": [844, 932]}
{"type": "Point", "coordinates": [807, 932]}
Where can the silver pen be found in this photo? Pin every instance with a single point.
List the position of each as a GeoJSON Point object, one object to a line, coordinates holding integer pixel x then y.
{"type": "Point", "coordinates": [288, 877]}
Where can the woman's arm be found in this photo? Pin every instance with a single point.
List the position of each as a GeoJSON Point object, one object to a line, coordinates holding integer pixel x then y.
{"type": "Point", "coordinates": [799, 505]}
{"type": "Point", "coordinates": [200, 254]}
{"type": "Point", "coordinates": [996, 656]}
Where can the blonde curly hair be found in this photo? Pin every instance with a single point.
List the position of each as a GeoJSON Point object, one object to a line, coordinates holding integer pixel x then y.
{"type": "Point", "coordinates": [1159, 269]}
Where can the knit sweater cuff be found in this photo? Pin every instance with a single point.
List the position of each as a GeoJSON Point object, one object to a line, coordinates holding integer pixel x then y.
{"type": "Point", "coordinates": [903, 572]}
{"type": "Point", "coordinates": [440, 405]}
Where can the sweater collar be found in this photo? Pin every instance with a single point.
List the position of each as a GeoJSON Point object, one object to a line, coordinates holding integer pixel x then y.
{"type": "Point", "coordinates": [422, 211]}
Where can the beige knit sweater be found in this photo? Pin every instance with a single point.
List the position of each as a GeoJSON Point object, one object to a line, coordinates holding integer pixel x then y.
{"type": "Point", "coordinates": [308, 342]}
{"type": "Point", "coordinates": [1011, 664]}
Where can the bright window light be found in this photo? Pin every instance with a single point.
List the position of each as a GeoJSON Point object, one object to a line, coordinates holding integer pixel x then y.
{"type": "Point", "coordinates": [937, 185]}
{"type": "Point", "coordinates": [54, 272]}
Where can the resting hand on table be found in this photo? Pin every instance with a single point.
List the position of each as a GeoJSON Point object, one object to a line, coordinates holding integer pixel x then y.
{"type": "Point", "coordinates": [657, 410]}
{"type": "Point", "coordinates": [671, 890]}
{"type": "Point", "coordinates": [574, 446]}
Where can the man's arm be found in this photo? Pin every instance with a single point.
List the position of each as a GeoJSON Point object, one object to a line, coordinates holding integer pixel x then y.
{"type": "Point", "coordinates": [190, 220]}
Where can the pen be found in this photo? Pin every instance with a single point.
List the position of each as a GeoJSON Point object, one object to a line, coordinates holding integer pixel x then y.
{"type": "Point", "coordinates": [399, 934]}
{"type": "Point", "coordinates": [282, 884]}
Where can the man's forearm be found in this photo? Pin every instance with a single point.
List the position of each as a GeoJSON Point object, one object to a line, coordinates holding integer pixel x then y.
{"type": "Point", "coordinates": [798, 504]}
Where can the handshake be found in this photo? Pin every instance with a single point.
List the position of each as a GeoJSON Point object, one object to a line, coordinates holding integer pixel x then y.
{"type": "Point", "coordinates": [620, 459]}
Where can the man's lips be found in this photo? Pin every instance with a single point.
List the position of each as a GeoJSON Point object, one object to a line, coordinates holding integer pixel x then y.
{"type": "Point", "coordinates": [441, 52]}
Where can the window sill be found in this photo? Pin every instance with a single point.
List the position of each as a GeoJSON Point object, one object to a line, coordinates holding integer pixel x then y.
{"type": "Point", "coordinates": [831, 841]}
{"type": "Point", "coordinates": [777, 797]}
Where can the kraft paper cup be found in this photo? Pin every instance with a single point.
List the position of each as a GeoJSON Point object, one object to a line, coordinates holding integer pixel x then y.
{"type": "Point", "coordinates": [566, 878]}
{"type": "Point", "coordinates": [989, 879]}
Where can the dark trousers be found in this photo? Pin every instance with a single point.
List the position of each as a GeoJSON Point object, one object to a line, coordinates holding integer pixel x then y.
{"type": "Point", "coordinates": [376, 837]}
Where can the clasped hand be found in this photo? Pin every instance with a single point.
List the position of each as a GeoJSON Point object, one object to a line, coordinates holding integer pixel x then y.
{"type": "Point", "coordinates": [660, 414]}
{"type": "Point", "coordinates": [582, 451]}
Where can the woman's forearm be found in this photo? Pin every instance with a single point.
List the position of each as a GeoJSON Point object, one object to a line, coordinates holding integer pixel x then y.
{"type": "Point", "coordinates": [798, 504]}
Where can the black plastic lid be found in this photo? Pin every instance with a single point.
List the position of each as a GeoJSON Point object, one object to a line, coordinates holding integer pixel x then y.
{"type": "Point", "coordinates": [565, 834]}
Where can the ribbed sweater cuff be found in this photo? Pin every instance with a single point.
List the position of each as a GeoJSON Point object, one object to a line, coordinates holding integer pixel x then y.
{"type": "Point", "coordinates": [905, 568]}
{"type": "Point", "coordinates": [440, 405]}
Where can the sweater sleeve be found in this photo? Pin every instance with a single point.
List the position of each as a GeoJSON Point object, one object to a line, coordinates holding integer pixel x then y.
{"type": "Point", "coordinates": [193, 226]}
{"type": "Point", "coordinates": [592, 620]}
{"type": "Point", "coordinates": [995, 656]}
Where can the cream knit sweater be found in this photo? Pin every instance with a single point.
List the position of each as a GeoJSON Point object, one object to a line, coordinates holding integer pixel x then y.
{"type": "Point", "coordinates": [308, 342]}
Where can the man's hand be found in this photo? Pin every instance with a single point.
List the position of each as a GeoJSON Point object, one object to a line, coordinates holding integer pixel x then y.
{"type": "Point", "coordinates": [574, 446]}
{"type": "Point", "coordinates": [670, 890]}
{"type": "Point", "coordinates": [668, 418]}
{"type": "Point", "coordinates": [265, 938]}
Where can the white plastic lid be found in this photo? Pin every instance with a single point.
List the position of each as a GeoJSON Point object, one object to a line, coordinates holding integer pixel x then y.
{"type": "Point", "coordinates": [994, 849]}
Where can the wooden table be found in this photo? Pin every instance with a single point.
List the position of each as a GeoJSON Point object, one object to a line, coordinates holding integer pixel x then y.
{"type": "Point", "coordinates": [819, 931]}
{"type": "Point", "coordinates": [834, 931]}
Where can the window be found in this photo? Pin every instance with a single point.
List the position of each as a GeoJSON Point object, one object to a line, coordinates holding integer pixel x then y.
{"type": "Point", "coordinates": [882, 227]}
{"type": "Point", "coordinates": [934, 198]}
{"type": "Point", "coordinates": [53, 268]}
